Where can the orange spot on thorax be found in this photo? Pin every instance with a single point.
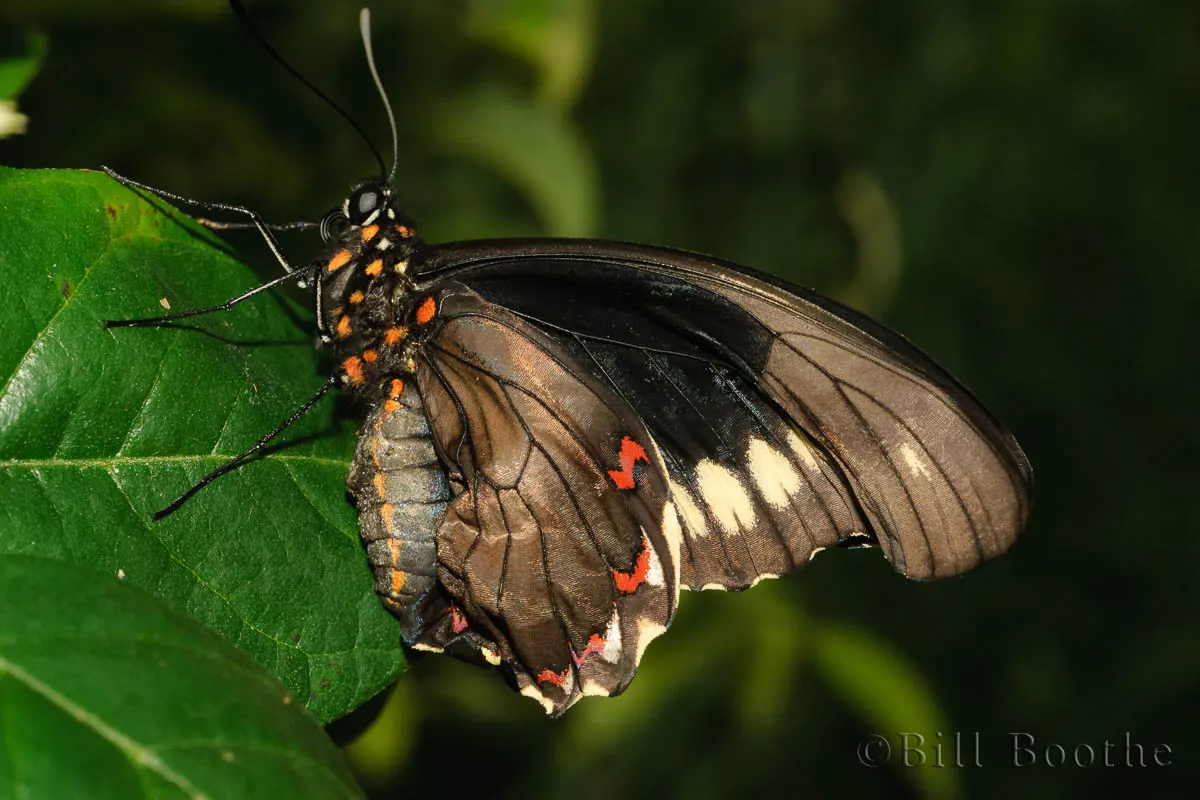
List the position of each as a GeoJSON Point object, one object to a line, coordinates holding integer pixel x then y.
{"type": "Point", "coordinates": [368, 233]}
{"type": "Point", "coordinates": [339, 260]}
{"type": "Point", "coordinates": [375, 267]}
{"type": "Point", "coordinates": [343, 328]}
{"type": "Point", "coordinates": [426, 311]}
{"type": "Point", "coordinates": [352, 366]}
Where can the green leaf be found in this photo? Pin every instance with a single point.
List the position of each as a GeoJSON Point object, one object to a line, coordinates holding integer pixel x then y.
{"type": "Point", "coordinates": [534, 148]}
{"type": "Point", "coordinates": [889, 693]}
{"type": "Point", "coordinates": [17, 72]}
{"type": "Point", "coordinates": [101, 427]}
{"type": "Point", "coordinates": [107, 692]}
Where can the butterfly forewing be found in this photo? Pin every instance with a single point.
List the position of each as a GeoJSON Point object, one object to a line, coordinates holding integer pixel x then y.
{"type": "Point", "coordinates": [787, 422]}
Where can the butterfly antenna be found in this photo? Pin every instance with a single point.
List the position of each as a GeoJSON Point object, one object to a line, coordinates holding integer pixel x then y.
{"type": "Point", "coordinates": [364, 21]}
{"type": "Point", "coordinates": [244, 16]}
{"type": "Point", "coordinates": [247, 453]}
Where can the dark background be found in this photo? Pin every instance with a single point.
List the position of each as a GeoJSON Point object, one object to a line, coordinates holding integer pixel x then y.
{"type": "Point", "coordinates": [1014, 188]}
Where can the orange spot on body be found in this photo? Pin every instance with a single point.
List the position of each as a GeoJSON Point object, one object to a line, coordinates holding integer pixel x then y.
{"type": "Point", "coordinates": [356, 297]}
{"type": "Point", "coordinates": [369, 356]}
{"type": "Point", "coordinates": [458, 620]}
{"type": "Point", "coordinates": [398, 577]}
{"type": "Point", "coordinates": [339, 260]}
{"type": "Point", "coordinates": [386, 511]}
{"type": "Point", "coordinates": [426, 311]}
{"type": "Point", "coordinates": [394, 550]}
{"type": "Point", "coordinates": [628, 582]}
{"type": "Point", "coordinates": [395, 388]}
{"type": "Point", "coordinates": [391, 406]}
{"type": "Point", "coordinates": [343, 328]}
{"type": "Point", "coordinates": [368, 233]}
{"type": "Point", "coordinates": [380, 484]}
{"type": "Point", "coordinates": [352, 366]}
{"type": "Point", "coordinates": [375, 267]}
{"type": "Point", "coordinates": [631, 453]}
{"type": "Point", "coordinates": [556, 678]}
{"type": "Point", "coordinates": [394, 334]}
{"type": "Point", "coordinates": [405, 231]}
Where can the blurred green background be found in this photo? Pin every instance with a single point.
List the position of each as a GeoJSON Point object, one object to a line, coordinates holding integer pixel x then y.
{"type": "Point", "coordinates": [1014, 188]}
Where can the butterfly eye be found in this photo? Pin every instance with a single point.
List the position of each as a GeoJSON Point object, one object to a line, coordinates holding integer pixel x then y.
{"type": "Point", "coordinates": [363, 203]}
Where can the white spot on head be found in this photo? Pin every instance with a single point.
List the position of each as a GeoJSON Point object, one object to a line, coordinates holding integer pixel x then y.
{"type": "Point", "coordinates": [725, 496]}
{"type": "Point", "coordinates": [391, 214]}
{"type": "Point", "coordinates": [693, 517]}
{"type": "Point", "coordinates": [801, 448]}
{"type": "Point", "coordinates": [913, 461]}
{"type": "Point", "coordinates": [775, 476]}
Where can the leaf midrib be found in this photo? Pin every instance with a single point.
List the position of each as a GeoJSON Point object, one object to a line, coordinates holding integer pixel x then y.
{"type": "Point", "coordinates": [140, 757]}
{"type": "Point", "coordinates": [120, 461]}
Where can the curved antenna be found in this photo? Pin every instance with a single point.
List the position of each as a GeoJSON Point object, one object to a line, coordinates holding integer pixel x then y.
{"type": "Point", "coordinates": [244, 16]}
{"type": "Point", "coordinates": [364, 22]}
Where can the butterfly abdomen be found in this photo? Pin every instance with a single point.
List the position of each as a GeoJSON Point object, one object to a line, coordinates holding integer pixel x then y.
{"type": "Point", "coordinates": [401, 492]}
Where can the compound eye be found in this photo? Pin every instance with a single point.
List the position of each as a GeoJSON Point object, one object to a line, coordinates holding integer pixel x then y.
{"type": "Point", "coordinates": [363, 204]}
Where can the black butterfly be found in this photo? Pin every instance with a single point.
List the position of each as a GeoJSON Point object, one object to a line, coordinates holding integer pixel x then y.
{"type": "Point", "coordinates": [564, 433]}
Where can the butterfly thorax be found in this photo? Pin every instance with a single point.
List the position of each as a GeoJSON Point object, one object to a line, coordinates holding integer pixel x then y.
{"type": "Point", "coordinates": [364, 292]}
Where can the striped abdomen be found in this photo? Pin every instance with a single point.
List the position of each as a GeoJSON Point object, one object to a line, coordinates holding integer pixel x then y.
{"type": "Point", "coordinates": [401, 492]}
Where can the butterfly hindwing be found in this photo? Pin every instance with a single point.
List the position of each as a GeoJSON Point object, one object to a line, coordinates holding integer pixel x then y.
{"type": "Point", "coordinates": [562, 542]}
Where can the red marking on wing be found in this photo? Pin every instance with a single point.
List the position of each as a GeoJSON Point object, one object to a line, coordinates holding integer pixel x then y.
{"type": "Point", "coordinates": [557, 678]}
{"type": "Point", "coordinates": [458, 620]}
{"type": "Point", "coordinates": [628, 582]}
{"type": "Point", "coordinates": [631, 453]}
{"type": "Point", "coordinates": [594, 645]}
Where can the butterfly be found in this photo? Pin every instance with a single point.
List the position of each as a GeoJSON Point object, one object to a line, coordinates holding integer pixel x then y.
{"type": "Point", "coordinates": [564, 434]}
